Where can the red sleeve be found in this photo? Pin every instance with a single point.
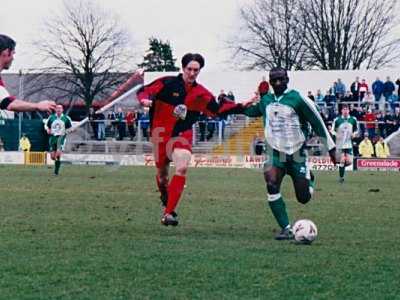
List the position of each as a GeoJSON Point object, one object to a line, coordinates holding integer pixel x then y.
{"type": "Point", "coordinates": [5, 97]}
{"type": "Point", "coordinates": [151, 90]}
{"type": "Point", "coordinates": [223, 108]}
{"type": "Point", "coordinates": [210, 107]}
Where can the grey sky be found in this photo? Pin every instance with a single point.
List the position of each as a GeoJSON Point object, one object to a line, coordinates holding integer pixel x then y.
{"type": "Point", "coordinates": [189, 25]}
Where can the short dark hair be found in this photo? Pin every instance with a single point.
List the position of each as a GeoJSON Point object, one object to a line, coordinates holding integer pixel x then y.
{"type": "Point", "coordinates": [278, 72]}
{"type": "Point", "coordinates": [188, 57]}
{"type": "Point", "coordinates": [6, 43]}
{"type": "Point", "coordinates": [345, 106]}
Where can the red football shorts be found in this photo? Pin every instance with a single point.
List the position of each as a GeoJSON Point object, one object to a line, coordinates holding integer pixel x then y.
{"type": "Point", "coordinates": [164, 146]}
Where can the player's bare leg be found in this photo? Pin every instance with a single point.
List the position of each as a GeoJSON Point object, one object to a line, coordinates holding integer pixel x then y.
{"type": "Point", "coordinates": [181, 159]}
{"type": "Point", "coordinates": [302, 189]}
{"type": "Point", "coordinates": [273, 177]}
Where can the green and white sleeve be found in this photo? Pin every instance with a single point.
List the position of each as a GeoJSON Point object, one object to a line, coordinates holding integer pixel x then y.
{"type": "Point", "coordinates": [68, 122]}
{"type": "Point", "coordinates": [255, 110]}
{"type": "Point", "coordinates": [311, 115]}
{"type": "Point", "coordinates": [335, 125]}
{"type": "Point", "coordinates": [47, 125]}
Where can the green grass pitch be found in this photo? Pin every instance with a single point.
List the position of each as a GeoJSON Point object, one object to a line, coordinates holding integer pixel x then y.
{"type": "Point", "coordinates": [95, 233]}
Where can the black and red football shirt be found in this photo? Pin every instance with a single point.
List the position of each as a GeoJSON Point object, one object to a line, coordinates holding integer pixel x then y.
{"type": "Point", "coordinates": [171, 91]}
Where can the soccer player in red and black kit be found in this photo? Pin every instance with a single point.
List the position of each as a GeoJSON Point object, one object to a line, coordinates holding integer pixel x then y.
{"type": "Point", "coordinates": [7, 51]}
{"type": "Point", "coordinates": [175, 105]}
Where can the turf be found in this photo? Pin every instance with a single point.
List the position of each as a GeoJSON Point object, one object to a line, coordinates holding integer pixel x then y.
{"type": "Point", "coordinates": [94, 233]}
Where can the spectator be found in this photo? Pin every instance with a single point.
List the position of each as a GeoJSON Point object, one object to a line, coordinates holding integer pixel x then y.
{"type": "Point", "coordinates": [325, 117]}
{"type": "Point", "coordinates": [398, 88]}
{"type": "Point", "coordinates": [388, 88]}
{"type": "Point", "coordinates": [120, 118]}
{"type": "Point", "coordinates": [339, 89]}
{"type": "Point", "coordinates": [311, 96]}
{"type": "Point", "coordinates": [365, 148]}
{"type": "Point", "coordinates": [263, 87]}
{"type": "Point", "coordinates": [330, 98]}
{"type": "Point", "coordinates": [377, 89]}
{"type": "Point", "coordinates": [355, 89]}
{"type": "Point", "coordinates": [358, 113]}
{"type": "Point", "coordinates": [368, 100]}
{"type": "Point", "coordinates": [397, 119]}
{"type": "Point", "coordinates": [381, 119]}
{"type": "Point", "coordinates": [202, 126]}
{"type": "Point", "coordinates": [381, 148]}
{"type": "Point", "coordinates": [92, 119]}
{"type": "Point", "coordinates": [258, 144]}
{"type": "Point", "coordinates": [144, 122]}
{"type": "Point", "coordinates": [231, 96]}
{"type": "Point", "coordinates": [130, 122]}
{"type": "Point", "coordinates": [221, 97]}
{"type": "Point", "coordinates": [111, 122]}
{"type": "Point", "coordinates": [348, 97]}
{"type": "Point", "coordinates": [370, 123]}
{"type": "Point", "coordinates": [390, 123]}
{"type": "Point", "coordinates": [101, 126]}
{"type": "Point", "coordinates": [393, 101]}
{"type": "Point", "coordinates": [221, 123]}
{"type": "Point", "coordinates": [24, 143]}
{"type": "Point", "coordinates": [319, 98]}
{"type": "Point", "coordinates": [210, 128]}
{"type": "Point", "coordinates": [363, 89]}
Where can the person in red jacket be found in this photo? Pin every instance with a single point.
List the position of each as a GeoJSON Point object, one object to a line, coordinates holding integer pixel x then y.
{"type": "Point", "coordinates": [363, 89]}
{"type": "Point", "coordinates": [263, 87]}
{"type": "Point", "coordinates": [130, 122]}
{"type": "Point", "coordinates": [370, 123]}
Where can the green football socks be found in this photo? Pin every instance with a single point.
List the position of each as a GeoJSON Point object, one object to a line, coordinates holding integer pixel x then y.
{"type": "Point", "coordinates": [278, 209]}
{"type": "Point", "coordinates": [57, 164]}
{"type": "Point", "coordinates": [341, 171]}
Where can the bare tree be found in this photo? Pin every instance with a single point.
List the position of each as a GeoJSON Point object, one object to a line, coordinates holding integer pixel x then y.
{"type": "Point", "coordinates": [84, 50]}
{"type": "Point", "coordinates": [350, 34]}
{"type": "Point", "coordinates": [271, 36]}
{"type": "Point", "coordinates": [327, 34]}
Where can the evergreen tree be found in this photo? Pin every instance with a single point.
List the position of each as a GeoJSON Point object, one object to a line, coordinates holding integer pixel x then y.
{"type": "Point", "coordinates": [159, 57]}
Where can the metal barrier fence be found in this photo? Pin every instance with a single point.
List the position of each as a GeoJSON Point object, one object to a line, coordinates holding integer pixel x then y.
{"type": "Point", "coordinates": [215, 131]}
{"type": "Point", "coordinates": [35, 158]}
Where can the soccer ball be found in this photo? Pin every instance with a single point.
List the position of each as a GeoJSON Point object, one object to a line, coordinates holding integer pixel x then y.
{"type": "Point", "coordinates": [305, 231]}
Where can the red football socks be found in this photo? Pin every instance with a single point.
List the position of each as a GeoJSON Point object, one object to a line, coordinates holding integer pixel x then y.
{"type": "Point", "coordinates": [175, 190]}
{"type": "Point", "coordinates": [161, 187]}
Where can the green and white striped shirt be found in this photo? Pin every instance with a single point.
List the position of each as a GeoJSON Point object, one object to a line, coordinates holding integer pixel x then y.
{"type": "Point", "coordinates": [287, 120]}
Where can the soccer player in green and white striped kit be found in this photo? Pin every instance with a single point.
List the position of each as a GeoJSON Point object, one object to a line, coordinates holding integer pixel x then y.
{"type": "Point", "coordinates": [345, 128]}
{"type": "Point", "coordinates": [287, 117]}
{"type": "Point", "coordinates": [56, 126]}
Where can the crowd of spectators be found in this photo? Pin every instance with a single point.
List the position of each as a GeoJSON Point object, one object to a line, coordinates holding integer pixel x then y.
{"type": "Point", "coordinates": [208, 126]}
{"type": "Point", "coordinates": [119, 124]}
{"type": "Point", "coordinates": [376, 107]}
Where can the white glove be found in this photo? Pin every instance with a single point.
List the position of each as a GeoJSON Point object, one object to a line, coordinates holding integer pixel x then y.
{"type": "Point", "coordinates": [180, 111]}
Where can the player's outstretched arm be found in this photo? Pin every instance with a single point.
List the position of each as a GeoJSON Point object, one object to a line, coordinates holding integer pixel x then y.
{"type": "Point", "coordinates": [21, 105]}
{"type": "Point", "coordinates": [230, 107]}
{"type": "Point", "coordinates": [127, 85]}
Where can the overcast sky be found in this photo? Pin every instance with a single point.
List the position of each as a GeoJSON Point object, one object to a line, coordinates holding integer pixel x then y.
{"type": "Point", "coordinates": [190, 25]}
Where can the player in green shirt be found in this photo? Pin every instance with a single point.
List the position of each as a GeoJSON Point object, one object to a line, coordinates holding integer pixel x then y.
{"type": "Point", "coordinates": [56, 126]}
{"type": "Point", "coordinates": [345, 128]}
{"type": "Point", "coordinates": [287, 117]}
